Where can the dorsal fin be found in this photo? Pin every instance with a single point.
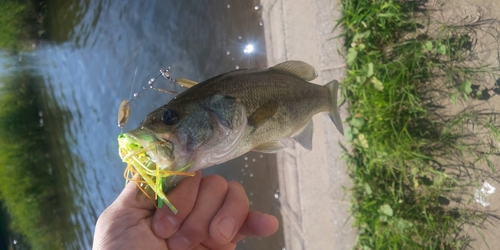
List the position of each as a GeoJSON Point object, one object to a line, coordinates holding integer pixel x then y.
{"type": "Point", "coordinates": [298, 68]}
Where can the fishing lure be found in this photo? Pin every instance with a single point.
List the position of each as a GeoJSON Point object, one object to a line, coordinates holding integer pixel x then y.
{"type": "Point", "coordinates": [139, 163]}
{"type": "Point", "coordinates": [124, 109]}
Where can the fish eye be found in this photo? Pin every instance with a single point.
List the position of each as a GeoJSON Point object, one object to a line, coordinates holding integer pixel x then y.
{"type": "Point", "coordinates": [170, 117]}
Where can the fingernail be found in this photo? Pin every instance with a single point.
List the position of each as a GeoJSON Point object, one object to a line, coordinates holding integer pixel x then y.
{"type": "Point", "coordinates": [226, 227]}
{"type": "Point", "coordinates": [179, 242]}
{"type": "Point", "coordinates": [165, 226]}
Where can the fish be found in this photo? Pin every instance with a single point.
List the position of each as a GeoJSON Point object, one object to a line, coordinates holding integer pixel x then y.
{"type": "Point", "coordinates": [225, 117]}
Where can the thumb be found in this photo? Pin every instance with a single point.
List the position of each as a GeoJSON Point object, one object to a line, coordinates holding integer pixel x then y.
{"type": "Point", "coordinates": [126, 211]}
{"type": "Point", "coordinates": [135, 197]}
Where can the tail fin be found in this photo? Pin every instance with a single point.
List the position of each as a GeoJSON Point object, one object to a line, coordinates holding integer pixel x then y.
{"type": "Point", "coordinates": [333, 87]}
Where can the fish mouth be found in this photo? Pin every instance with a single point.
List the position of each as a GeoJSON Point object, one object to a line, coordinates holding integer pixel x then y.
{"type": "Point", "coordinates": [152, 159]}
{"type": "Point", "coordinates": [142, 147]}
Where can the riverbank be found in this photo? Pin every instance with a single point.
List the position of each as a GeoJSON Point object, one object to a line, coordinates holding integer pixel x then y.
{"type": "Point", "coordinates": [29, 180]}
{"type": "Point", "coordinates": [417, 94]}
{"type": "Point", "coordinates": [423, 124]}
{"type": "Point", "coordinates": [20, 23]}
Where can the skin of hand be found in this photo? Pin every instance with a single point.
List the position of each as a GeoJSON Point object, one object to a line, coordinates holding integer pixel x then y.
{"type": "Point", "coordinates": [212, 214]}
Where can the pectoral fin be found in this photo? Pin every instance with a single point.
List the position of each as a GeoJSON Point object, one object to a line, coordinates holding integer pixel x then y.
{"type": "Point", "coordinates": [270, 147]}
{"type": "Point", "coordinates": [304, 138]}
{"type": "Point", "coordinates": [186, 83]}
{"type": "Point", "coordinates": [298, 68]}
{"type": "Point", "coordinates": [262, 114]}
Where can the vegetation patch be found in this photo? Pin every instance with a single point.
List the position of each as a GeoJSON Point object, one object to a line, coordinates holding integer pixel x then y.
{"type": "Point", "coordinates": [17, 19]}
{"type": "Point", "coordinates": [29, 181]}
{"type": "Point", "coordinates": [421, 138]}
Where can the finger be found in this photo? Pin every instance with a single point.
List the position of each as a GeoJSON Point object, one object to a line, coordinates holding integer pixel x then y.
{"type": "Point", "coordinates": [133, 197]}
{"type": "Point", "coordinates": [194, 229]}
{"type": "Point", "coordinates": [200, 247]}
{"type": "Point", "coordinates": [230, 217]}
{"type": "Point", "coordinates": [257, 224]}
{"type": "Point", "coordinates": [239, 237]}
{"type": "Point", "coordinates": [129, 209]}
{"type": "Point", "coordinates": [228, 246]}
{"type": "Point", "coordinates": [183, 197]}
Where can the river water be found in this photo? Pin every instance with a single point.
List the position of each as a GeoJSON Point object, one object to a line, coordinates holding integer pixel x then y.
{"type": "Point", "coordinates": [88, 62]}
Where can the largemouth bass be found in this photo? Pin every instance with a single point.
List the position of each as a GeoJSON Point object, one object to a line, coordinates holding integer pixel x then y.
{"type": "Point", "coordinates": [224, 117]}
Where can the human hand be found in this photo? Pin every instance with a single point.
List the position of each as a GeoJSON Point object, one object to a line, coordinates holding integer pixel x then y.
{"type": "Point", "coordinates": [213, 214]}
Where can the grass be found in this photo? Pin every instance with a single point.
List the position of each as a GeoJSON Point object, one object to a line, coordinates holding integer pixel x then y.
{"type": "Point", "coordinates": [16, 19]}
{"type": "Point", "coordinates": [408, 149]}
{"type": "Point", "coordinates": [29, 184]}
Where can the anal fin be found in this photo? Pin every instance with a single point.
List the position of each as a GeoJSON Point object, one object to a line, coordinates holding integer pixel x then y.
{"type": "Point", "coordinates": [304, 138]}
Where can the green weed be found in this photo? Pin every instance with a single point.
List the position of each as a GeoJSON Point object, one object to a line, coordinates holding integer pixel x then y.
{"type": "Point", "coordinates": [407, 149]}
{"type": "Point", "coordinates": [16, 19]}
{"type": "Point", "coordinates": [29, 182]}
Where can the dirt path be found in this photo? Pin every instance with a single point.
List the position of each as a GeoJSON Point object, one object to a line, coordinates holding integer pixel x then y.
{"type": "Point", "coordinates": [481, 18]}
